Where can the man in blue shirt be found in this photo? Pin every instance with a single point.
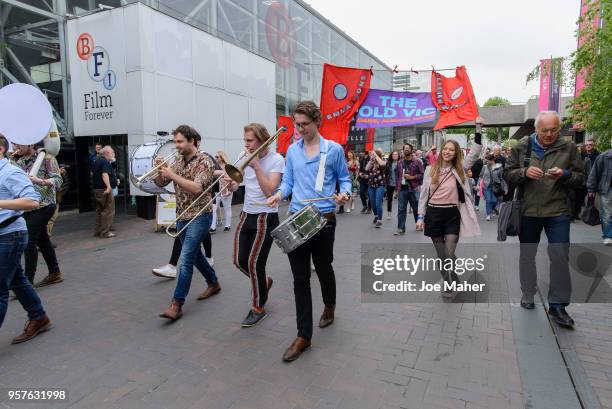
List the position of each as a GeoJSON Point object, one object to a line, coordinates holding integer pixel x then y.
{"type": "Point", "coordinates": [313, 167]}
{"type": "Point", "coordinates": [16, 195]}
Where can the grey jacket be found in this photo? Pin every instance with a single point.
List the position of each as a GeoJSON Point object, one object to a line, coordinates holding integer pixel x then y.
{"type": "Point", "coordinates": [600, 177]}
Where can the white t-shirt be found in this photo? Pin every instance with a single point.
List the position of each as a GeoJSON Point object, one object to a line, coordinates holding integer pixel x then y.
{"type": "Point", "coordinates": [272, 162]}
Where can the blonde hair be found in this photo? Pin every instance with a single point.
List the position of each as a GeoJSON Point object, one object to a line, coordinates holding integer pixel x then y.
{"type": "Point", "coordinates": [259, 130]}
{"type": "Point", "coordinates": [457, 163]}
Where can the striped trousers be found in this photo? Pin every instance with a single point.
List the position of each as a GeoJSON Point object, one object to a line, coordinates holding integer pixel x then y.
{"type": "Point", "coordinates": [252, 243]}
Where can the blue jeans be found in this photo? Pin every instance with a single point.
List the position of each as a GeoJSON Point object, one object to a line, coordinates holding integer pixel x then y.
{"type": "Point", "coordinates": [557, 231]}
{"type": "Point", "coordinates": [491, 200]}
{"type": "Point", "coordinates": [606, 214]}
{"type": "Point", "coordinates": [12, 246]}
{"type": "Point", "coordinates": [191, 255]}
{"type": "Point", "coordinates": [406, 197]}
{"type": "Point", "coordinates": [376, 196]}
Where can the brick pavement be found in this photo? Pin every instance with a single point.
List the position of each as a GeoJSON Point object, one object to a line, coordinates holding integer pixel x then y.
{"type": "Point", "coordinates": [110, 349]}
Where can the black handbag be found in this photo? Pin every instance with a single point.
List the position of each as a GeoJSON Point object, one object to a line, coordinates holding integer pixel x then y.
{"type": "Point", "coordinates": [510, 213]}
{"type": "Point", "coordinates": [590, 214]}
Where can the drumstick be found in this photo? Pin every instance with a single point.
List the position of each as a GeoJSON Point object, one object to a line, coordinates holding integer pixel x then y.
{"type": "Point", "coordinates": [317, 199]}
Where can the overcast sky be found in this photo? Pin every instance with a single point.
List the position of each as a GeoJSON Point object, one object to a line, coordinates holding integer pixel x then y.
{"type": "Point", "coordinates": [498, 41]}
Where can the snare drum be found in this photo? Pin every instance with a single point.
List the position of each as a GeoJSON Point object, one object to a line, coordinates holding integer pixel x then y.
{"type": "Point", "coordinates": [143, 159]}
{"type": "Point", "coordinates": [298, 228]}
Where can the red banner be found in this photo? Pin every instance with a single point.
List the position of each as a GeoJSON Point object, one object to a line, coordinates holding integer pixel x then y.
{"type": "Point", "coordinates": [454, 98]}
{"type": "Point", "coordinates": [286, 138]}
{"type": "Point", "coordinates": [342, 92]}
{"type": "Point", "coordinates": [369, 146]}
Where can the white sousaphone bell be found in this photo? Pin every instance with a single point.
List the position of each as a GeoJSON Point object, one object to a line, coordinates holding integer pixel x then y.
{"type": "Point", "coordinates": [26, 118]}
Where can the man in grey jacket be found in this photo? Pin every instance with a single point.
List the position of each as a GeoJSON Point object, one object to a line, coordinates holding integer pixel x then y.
{"type": "Point", "coordinates": [600, 181]}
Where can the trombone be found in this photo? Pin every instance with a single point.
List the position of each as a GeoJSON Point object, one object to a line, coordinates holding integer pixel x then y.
{"type": "Point", "coordinates": [235, 173]}
{"type": "Point", "coordinates": [154, 171]}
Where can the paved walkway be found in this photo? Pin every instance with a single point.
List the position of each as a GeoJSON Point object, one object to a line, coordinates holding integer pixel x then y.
{"type": "Point", "coordinates": [110, 349]}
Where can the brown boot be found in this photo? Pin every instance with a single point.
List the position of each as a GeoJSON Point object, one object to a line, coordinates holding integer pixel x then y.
{"type": "Point", "coordinates": [210, 291]}
{"type": "Point", "coordinates": [327, 318]}
{"type": "Point", "coordinates": [173, 312]}
{"type": "Point", "coordinates": [298, 346]}
{"type": "Point", "coordinates": [33, 328]}
{"type": "Point", "coordinates": [50, 279]}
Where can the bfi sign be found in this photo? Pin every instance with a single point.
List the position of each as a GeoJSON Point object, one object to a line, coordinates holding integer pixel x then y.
{"type": "Point", "coordinates": [97, 106]}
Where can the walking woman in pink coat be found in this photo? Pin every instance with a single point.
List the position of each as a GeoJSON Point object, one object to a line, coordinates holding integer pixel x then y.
{"type": "Point", "coordinates": [446, 205]}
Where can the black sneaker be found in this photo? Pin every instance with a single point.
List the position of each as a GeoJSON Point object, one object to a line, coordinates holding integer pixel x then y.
{"type": "Point", "coordinates": [378, 224]}
{"type": "Point", "coordinates": [227, 229]}
{"type": "Point", "coordinates": [375, 220]}
{"type": "Point", "coordinates": [560, 316]}
{"type": "Point", "coordinates": [368, 211]}
{"type": "Point", "coordinates": [212, 231]}
{"type": "Point", "coordinates": [340, 210]}
{"type": "Point", "coordinates": [364, 210]}
{"type": "Point", "coordinates": [253, 318]}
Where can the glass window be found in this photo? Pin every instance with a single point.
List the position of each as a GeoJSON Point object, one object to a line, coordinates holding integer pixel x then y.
{"type": "Point", "coordinates": [236, 24]}
{"type": "Point", "coordinates": [320, 38]}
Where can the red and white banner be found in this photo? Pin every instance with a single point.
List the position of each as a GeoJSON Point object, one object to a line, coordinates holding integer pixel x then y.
{"type": "Point", "coordinates": [342, 92]}
{"type": "Point", "coordinates": [454, 98]}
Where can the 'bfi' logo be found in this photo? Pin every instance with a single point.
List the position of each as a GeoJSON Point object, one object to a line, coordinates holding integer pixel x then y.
{"type": "Point", "coordinates": [98, 61]}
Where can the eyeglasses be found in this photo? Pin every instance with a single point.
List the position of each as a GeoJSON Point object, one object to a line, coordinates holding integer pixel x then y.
{"type": "Point", "coordinates": [302, 125]}
{"type": "Point", "coordinates": [547, 131]}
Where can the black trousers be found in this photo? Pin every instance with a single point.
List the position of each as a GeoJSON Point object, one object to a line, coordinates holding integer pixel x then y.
{"type": "Point", "coordinates": [36, 221]}
{"type": "Point", "coordinates": [321, 248]}
{"type": "Point", "coordinates": [252, 244]}
{"type": "Point", "coordinates": [178, 246]}
{"type": "Point", "coordinates": [389, 193]}
{"type": "Point", "coordinates": [363, 193]}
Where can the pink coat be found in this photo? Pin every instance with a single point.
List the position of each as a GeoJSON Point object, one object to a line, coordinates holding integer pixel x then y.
{"type": "Point", "coordinates": [469, 221]}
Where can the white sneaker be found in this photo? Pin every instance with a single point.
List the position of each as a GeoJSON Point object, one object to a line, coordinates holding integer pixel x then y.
{"type": "Point", "coordinates": [477, 208]}
{"type": "Point", "coordinates": [211, 261]}
{"type": "Point", "coordinates": [607, 241]}
{"type": "Point", "coordinates": [167, 271]}
{"type": "Point", "coordinates": [489, 218]}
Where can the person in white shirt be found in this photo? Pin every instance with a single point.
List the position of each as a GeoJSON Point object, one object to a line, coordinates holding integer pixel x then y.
{"type": "Point", "coordinates": [252, 240]}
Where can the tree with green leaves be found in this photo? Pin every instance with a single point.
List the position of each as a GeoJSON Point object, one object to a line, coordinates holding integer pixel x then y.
{"type": "Point", "coordinates": [591, 109]}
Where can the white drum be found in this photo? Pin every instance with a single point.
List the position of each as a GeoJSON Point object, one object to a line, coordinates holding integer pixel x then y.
{"type": "Point", "coordinates": [143, 159]}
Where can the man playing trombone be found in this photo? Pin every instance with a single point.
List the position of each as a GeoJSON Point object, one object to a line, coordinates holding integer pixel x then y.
{"type": "Point", "coordinates": [191, 173]}
{"type": "Point", "coordinates": [252, 241]}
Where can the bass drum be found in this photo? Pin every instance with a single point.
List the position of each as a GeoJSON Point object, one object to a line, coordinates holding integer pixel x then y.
{"type": "Point", "coordinates": [143, 159]}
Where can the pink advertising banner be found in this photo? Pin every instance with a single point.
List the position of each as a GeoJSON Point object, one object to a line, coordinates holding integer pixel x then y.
{"type": "Point", "coordinates": [545, 83]}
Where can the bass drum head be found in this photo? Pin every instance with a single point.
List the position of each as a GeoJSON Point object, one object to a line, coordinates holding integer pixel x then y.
{"type": "Point", "coordinates": [143, 160]}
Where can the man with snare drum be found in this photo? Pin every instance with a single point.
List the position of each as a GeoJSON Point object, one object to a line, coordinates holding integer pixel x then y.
{"type": "Point", "coordinates": [313, 167]}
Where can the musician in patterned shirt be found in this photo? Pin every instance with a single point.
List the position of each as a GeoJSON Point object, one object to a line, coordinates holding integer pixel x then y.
{"type": "Point", "coordinates": [46, 182]}
{"type": "Point", "coordinates": [191, 173]}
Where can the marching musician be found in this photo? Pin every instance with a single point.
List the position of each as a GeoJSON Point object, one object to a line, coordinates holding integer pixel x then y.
{"type": "Point", "coordinates": [252, 241]}
{"type": "Point", "coordinates": [314, 166]}
{"type": "Point", "coordinates": [46, 182]}
{"type": "Point", "coordinates": [191, 173]}
{"type": "Point", "coordinates": [17, 194]}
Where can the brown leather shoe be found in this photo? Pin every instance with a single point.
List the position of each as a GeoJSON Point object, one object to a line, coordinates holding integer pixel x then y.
{"type": "Point", "coordinates": [298, 346]}
{"type": "Point", "coordinates": [33, 328]}
{"type": "Point", "coordinates": [327, 318]}
{"type": "Point", "coordinates": [210, 291]}
{"type": "Point", "coordinates": [50, 279]}
{"type": "Point", "coordinates": [173, 312]}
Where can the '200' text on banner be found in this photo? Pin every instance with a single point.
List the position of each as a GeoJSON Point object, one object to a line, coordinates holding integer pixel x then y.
{"type": "Point", "coordinates": [383, 108]}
